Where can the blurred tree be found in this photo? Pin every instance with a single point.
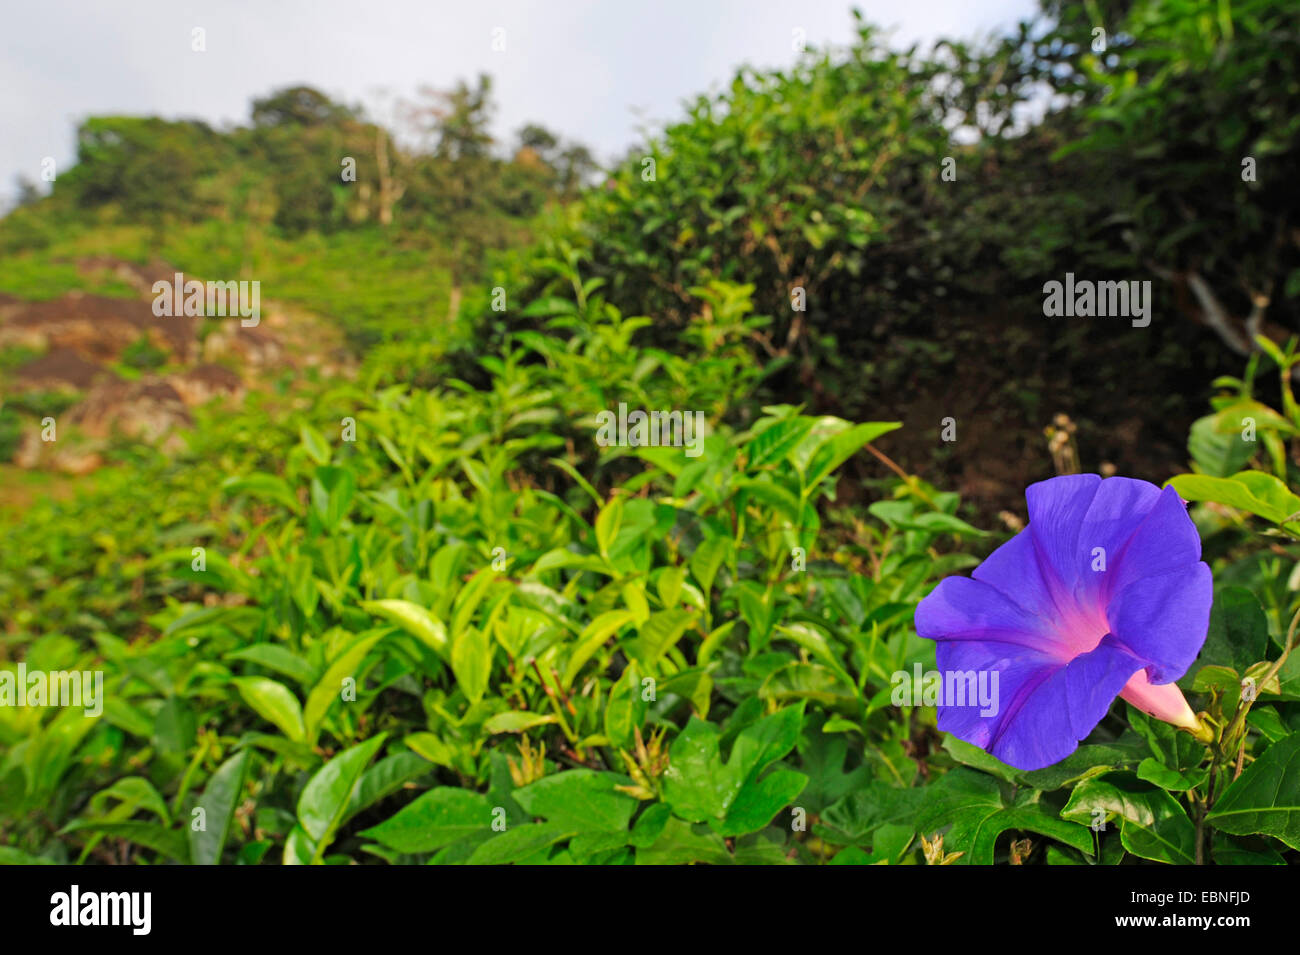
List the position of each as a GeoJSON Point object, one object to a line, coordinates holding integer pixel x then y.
{"type": "Point", "coordinates": [539, 139]}
{"type": "Point", "coordinates": [26, 191]}
{"type": "Point", "coordinates": [1194, 108]}
{"type": "Point", "coordinates": [299, 106]}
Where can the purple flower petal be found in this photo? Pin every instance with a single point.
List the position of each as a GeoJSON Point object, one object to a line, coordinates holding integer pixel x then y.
{"type": "Point", "coordinates": [1057, 509]}
{"type": "Point", "coordinates": [1103, 592]}
{"type": "Point", "coordinates": [1164, 619]}
{"type": "Point", "coordinates": [1118, 508]}
{"type": "Point", "coordinates": [1016, 570]}
{"type": "Point", "coordinates": [961, 609]}
{"type": "Point", "coordinates": [1165, 541]}
{"type": "Point", "coordinates": [1045, 710]}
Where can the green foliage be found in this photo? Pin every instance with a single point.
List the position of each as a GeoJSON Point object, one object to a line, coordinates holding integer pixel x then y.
{"type": "Point", "coordinates": [143, 354]}
{"type": "Point", "coordinates": [424, 601]}
{"type": "Point", "coordinates": [1199, 103]}
{"type": "Point", "coordinates": [11, 432]}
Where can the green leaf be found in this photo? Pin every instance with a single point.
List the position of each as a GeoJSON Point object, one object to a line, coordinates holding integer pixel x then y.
{"type": "Point", "coordinates": [757, 802]}
{"type": "Point", "coordinates": [1093, 759]}
{"type": "Point", "coordinates": [280, 659]}
{"type": "Point", "coordinates": [119, 713]}
{"type": "Point", "coordinates": [578, 479]}
{"type": "Point", "coordinates": [266, 486]}
{"type": "Point", "coordinates": [332, 490]}
{"type": "Point", "coordinates": [471, 662]}
{"type": "Point", "coordinates": [706, 560]}
{"type": "Point", "coordinates": [808, 681]}
{"type": "Point", "coordinates": [591, 639]}
{"type": "Point", "coordinates": [12, 856]}
{"type": "Point", "coordinates": [658, 635]}
{"type": "Point", "coordinates": [151, 835]}
{"type": "Point", "coordinates": [135, 793]}
{"type": "Point", "coordinates": [435, 819]}
{"type": "Point", "coordinates": [680, 843]}
{"type": "Point", "coordinates": [1265, 799]}
{"type": "Point", "coordinates": [970, 755]}
{"type": "Point", "coordinates": [697, 785]}
{"type": "Point", "coordinates": [386, 777]}
{"type": "Point", "coordinates": [218, 802]}
{"type": "Point", "coordinates": [855, 817]}
{"type": "Point", "coordinates": [1228, 850]}
{"type": "Point", "coordinates": [976, 809]}
{"type": "Point", "coordinates": [1154, 825]}
{"type": "Point", "coordinates": [823, 755]}
{"type": "Point", "coordinates": [843, 446]}
{"type": "Point", "coordinates": [1238, 634]}
{"type": "Point", "coordinates": [314, 443]}
{"type": "Point", "coordinates": [330, 688]}
{"type": "Point", "coordinates": [520, 842]}
{"type": "Point", "coordinates": [764, 742]}
{"type": "Point", "coordinates": [700, 788]}
{"type": "Point", "coordinates": [587, 844]}
{"type": "Point", "coordinates": [298, 847]}
{"type": "Point", "coordinates": [649, 825]}
{"type": "Point", "coordinates": [1171, 746]}
{"type": "Point", "coordinates": [626, 709]}
{"type": "Point", "coordinates": [430, 747]}
{"type": "Point", "coordinates": [414, 619]}
{"type": "Point", "coordinates": [517, 721]}
{"type": "Point", "coordinates": [1217, 450]}
{"type": "Point", "coordinates": [1157, 773]}
{"type": "Point", "coordinates": [607, 524]}
{"type": "Point", "coordinates": [776, 440]}
{"type": "Point", "coordinates": [326, 796]}
{"type": "Point", "coordinates": [669, 585]}
{"type": "Point", "coordinates": [174, 727]}
{"type": "Point", "coordinates": [581, 799]}
{"type": "Point", "coordinates": [470, 596]}
{"type": "Point", "coordinates": [274, 703]}
{"type": "Point", "coordinates": [1251, 491]}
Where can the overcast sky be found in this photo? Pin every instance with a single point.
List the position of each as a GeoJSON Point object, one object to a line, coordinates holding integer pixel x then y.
{"type": "Point", "coordinates": [591, 70]}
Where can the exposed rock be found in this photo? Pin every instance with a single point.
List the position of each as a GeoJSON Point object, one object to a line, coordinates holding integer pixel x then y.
{"type": "Point", "coordinates": [139, 277]}
{"type": "Point", "coordinates": [202, 383]}
{"type": "Point", "coordinates": [149, 409]}
{"type": "Point", "coordinates": [99, 328]}
{"type": "Point", "coordinates": [82, 334]}
{"type": "Point", "coordinates": [248, 345]}
{"type": "Point", "coordinates": [62, 369]}
{"type": "Point", "coordinates": [74, 457]}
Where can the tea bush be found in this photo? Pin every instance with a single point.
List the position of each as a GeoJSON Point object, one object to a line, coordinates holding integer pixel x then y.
{"type": "Point", "coordinates": [447, 625]}
{"type": "Point", "coordinates": [495, 623]}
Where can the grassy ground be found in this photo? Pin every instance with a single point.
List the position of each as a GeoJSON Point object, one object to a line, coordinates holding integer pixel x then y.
{"type": "Point", "coordinates": [377, 285]}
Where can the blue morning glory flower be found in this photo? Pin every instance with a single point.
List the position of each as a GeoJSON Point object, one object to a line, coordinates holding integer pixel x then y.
{"type": "Point", "coordinates": [1102, 594]}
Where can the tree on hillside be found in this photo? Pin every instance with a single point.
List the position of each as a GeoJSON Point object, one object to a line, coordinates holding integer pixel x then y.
{"type": "Point", "coordinates": [299, 106]}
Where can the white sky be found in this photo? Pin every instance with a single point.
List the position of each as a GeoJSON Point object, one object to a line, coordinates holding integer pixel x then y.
{"type": "Point", "coordinates": [591, 71]}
